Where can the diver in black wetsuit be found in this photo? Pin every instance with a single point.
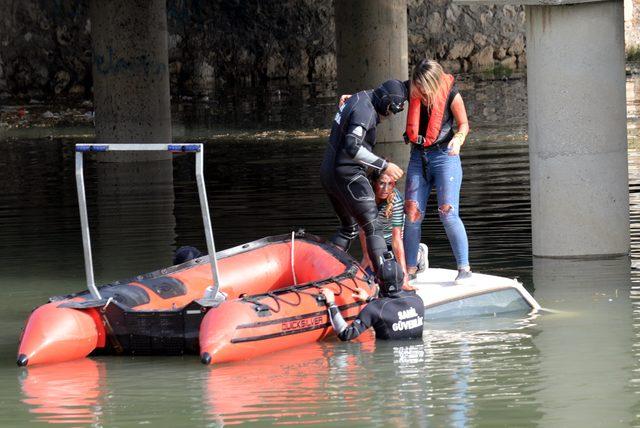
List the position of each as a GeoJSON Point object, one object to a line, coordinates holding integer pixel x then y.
{"type": "Point", "coordinates": [349, 153]}
{"type": "Point", "coordinates": [396, 314]}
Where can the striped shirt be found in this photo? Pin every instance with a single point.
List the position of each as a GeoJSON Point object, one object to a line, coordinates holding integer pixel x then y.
{"type": "Point", "coordinates": [395, 220]}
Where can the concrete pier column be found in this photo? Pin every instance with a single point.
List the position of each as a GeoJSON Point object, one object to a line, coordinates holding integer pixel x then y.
{"type": "Point", "coordinates": [577, 126]}
{"type": "Point", "coordinates": [371, 45]}
{"type": "Point", "coordinates": [130, 71]}
{"type": "Point", "coordinates": [577, 129]}
{"type": "Point", "coordinates": [133, 212]}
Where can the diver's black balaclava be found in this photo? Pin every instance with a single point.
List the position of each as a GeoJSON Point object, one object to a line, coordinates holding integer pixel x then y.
{"type": "Point", "coordinates": [390, 278]}
{"type": "Point", "coordinates": [390, 97]}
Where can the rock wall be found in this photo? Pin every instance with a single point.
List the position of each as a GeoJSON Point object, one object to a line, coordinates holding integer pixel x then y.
{"type": "Point", "coordinates": [45, 45]}
{"type": "Point", "coordinates": [295, 40]}
{"type": "Point", "coordinates": [467, 38]}
{"type": "Point", "coordinates": [45, 48]}
{"type": "Point", "coordinates": [632, 25]}
{"type": "Point", "coordinates": [249, 42]}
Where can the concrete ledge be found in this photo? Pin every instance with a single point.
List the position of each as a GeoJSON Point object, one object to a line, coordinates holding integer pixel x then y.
{"type": "Point", "coordinates": [585, 257]}
{"type": "Point", "coordinates": [526, 2]}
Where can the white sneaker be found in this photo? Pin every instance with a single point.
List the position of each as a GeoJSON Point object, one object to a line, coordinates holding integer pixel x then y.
{"type": "Point", "coordinates": [463, 277]}
{"type": "Point", "coordinates": [423, 257]}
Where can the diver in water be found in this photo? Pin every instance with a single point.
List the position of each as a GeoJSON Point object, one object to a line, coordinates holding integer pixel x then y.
{"type": "Point", "coordinates": [396, 314]}
{"type": "Point", "coordinates": [346, 159]}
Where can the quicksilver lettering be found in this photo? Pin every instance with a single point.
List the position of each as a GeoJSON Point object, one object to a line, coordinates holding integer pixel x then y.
{"type": "Point", "coordinates": [301, 324]}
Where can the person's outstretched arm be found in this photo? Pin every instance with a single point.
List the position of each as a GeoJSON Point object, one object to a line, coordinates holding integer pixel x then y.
{"type": "Point", "coordinates": [355, 148]}
{"type": "Point", "coordinates": [398, 250]}
{"type": "Point", "coordinates": [361, 122]}
{"type": "Point", "coordinates": [343, 330]}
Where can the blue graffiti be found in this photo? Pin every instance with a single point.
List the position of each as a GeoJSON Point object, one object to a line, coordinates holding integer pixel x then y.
{"type": "Point", "coordinates": [113, 65]}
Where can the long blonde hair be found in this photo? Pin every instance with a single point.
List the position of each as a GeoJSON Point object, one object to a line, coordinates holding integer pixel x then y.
{"type": "Point", "coordinates": [425, 80]}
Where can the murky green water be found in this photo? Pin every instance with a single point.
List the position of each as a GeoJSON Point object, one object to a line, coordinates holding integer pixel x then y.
{"type": "Point", "coordinates": [575, 368]}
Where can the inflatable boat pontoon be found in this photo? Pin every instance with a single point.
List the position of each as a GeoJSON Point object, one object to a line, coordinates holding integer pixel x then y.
{"type": "Point", "coordinates": [268, 299]}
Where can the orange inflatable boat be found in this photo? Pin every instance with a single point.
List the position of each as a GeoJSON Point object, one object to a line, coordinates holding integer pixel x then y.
{"type": "Point", "coordinates": [261, 296]}
{"type": "Point", "coordinates": [271, 288]}
{"type": "Point", "coordinates": [284, 316]}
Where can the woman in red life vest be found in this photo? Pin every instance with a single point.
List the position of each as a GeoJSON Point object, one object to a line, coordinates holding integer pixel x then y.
{"type": "Point", "coordinates": [435, 161]}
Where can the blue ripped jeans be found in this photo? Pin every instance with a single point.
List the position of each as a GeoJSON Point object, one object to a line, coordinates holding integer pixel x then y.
{"type": "Point", "coordinates": [434, 168]}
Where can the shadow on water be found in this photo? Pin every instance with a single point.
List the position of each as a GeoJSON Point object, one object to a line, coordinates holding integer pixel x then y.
{"type": "Point", "coordinates": [576, 367]}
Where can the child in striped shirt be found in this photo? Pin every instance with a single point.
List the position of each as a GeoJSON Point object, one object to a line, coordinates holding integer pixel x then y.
{"type": "Point", "coordinates": [390, 219]}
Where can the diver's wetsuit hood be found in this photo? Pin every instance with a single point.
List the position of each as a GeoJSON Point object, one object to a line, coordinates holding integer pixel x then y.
{"type": "Point", "coordinates": [390, 97]}
{"type": "Point", "coordinates": [390, 278]}
{"type": "Point", "coordinates": [184, 254]}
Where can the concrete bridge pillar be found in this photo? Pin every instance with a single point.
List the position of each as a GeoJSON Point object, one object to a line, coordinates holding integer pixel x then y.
{"type": "Point", "coordinates": [130, 71]}
{"type": "Point", "coordinates": [372, 46]}
{"type": "Point", "coordinates": [577, 127]}
{"type": "Point", "coordinates": [134, 201]}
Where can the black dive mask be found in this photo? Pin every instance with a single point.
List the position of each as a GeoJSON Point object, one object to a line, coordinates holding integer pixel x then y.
{"type": "Point", "coordinates": [396, 108]}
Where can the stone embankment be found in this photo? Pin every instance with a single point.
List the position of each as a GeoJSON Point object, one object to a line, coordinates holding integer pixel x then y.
{"type": "Point", "coordinates": [45, 46]}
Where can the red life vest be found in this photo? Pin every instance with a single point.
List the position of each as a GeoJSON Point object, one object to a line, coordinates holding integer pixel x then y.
{"type": "Point", "coordinates": [436, 113]}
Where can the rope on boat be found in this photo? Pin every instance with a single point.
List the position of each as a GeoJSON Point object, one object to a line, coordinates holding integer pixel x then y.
{"type": "Point", "coordinates": [293, 269]}
{"type": "Point", "coordinates": [276, 297]}
{"type": "Point", "coordinates": [298, 290]}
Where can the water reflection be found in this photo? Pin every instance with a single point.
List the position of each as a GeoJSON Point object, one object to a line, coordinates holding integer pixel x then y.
{"type": "Point", "coordinates": [585, 350]}
{"type": "Point", "coordinates": [289, 385]}
{"type": "Point", "coordinates": [633, 99]}
{"type": "Point", "coordinates": [462, 373]}
{"type": "Point", "coordinates": [279, 106]}
{"type": "Point", "coordinates": [448, 379]}
{"type": "Point", "coordinates": [481, 368]}
{"type": "Point", "coordinates": [133, 221]}
{"type": "Point", "coordinates": [69, 393]}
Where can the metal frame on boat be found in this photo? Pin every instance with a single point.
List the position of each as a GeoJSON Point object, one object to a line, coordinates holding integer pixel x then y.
{"type": "Point", "coordinates": [197, 149]}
